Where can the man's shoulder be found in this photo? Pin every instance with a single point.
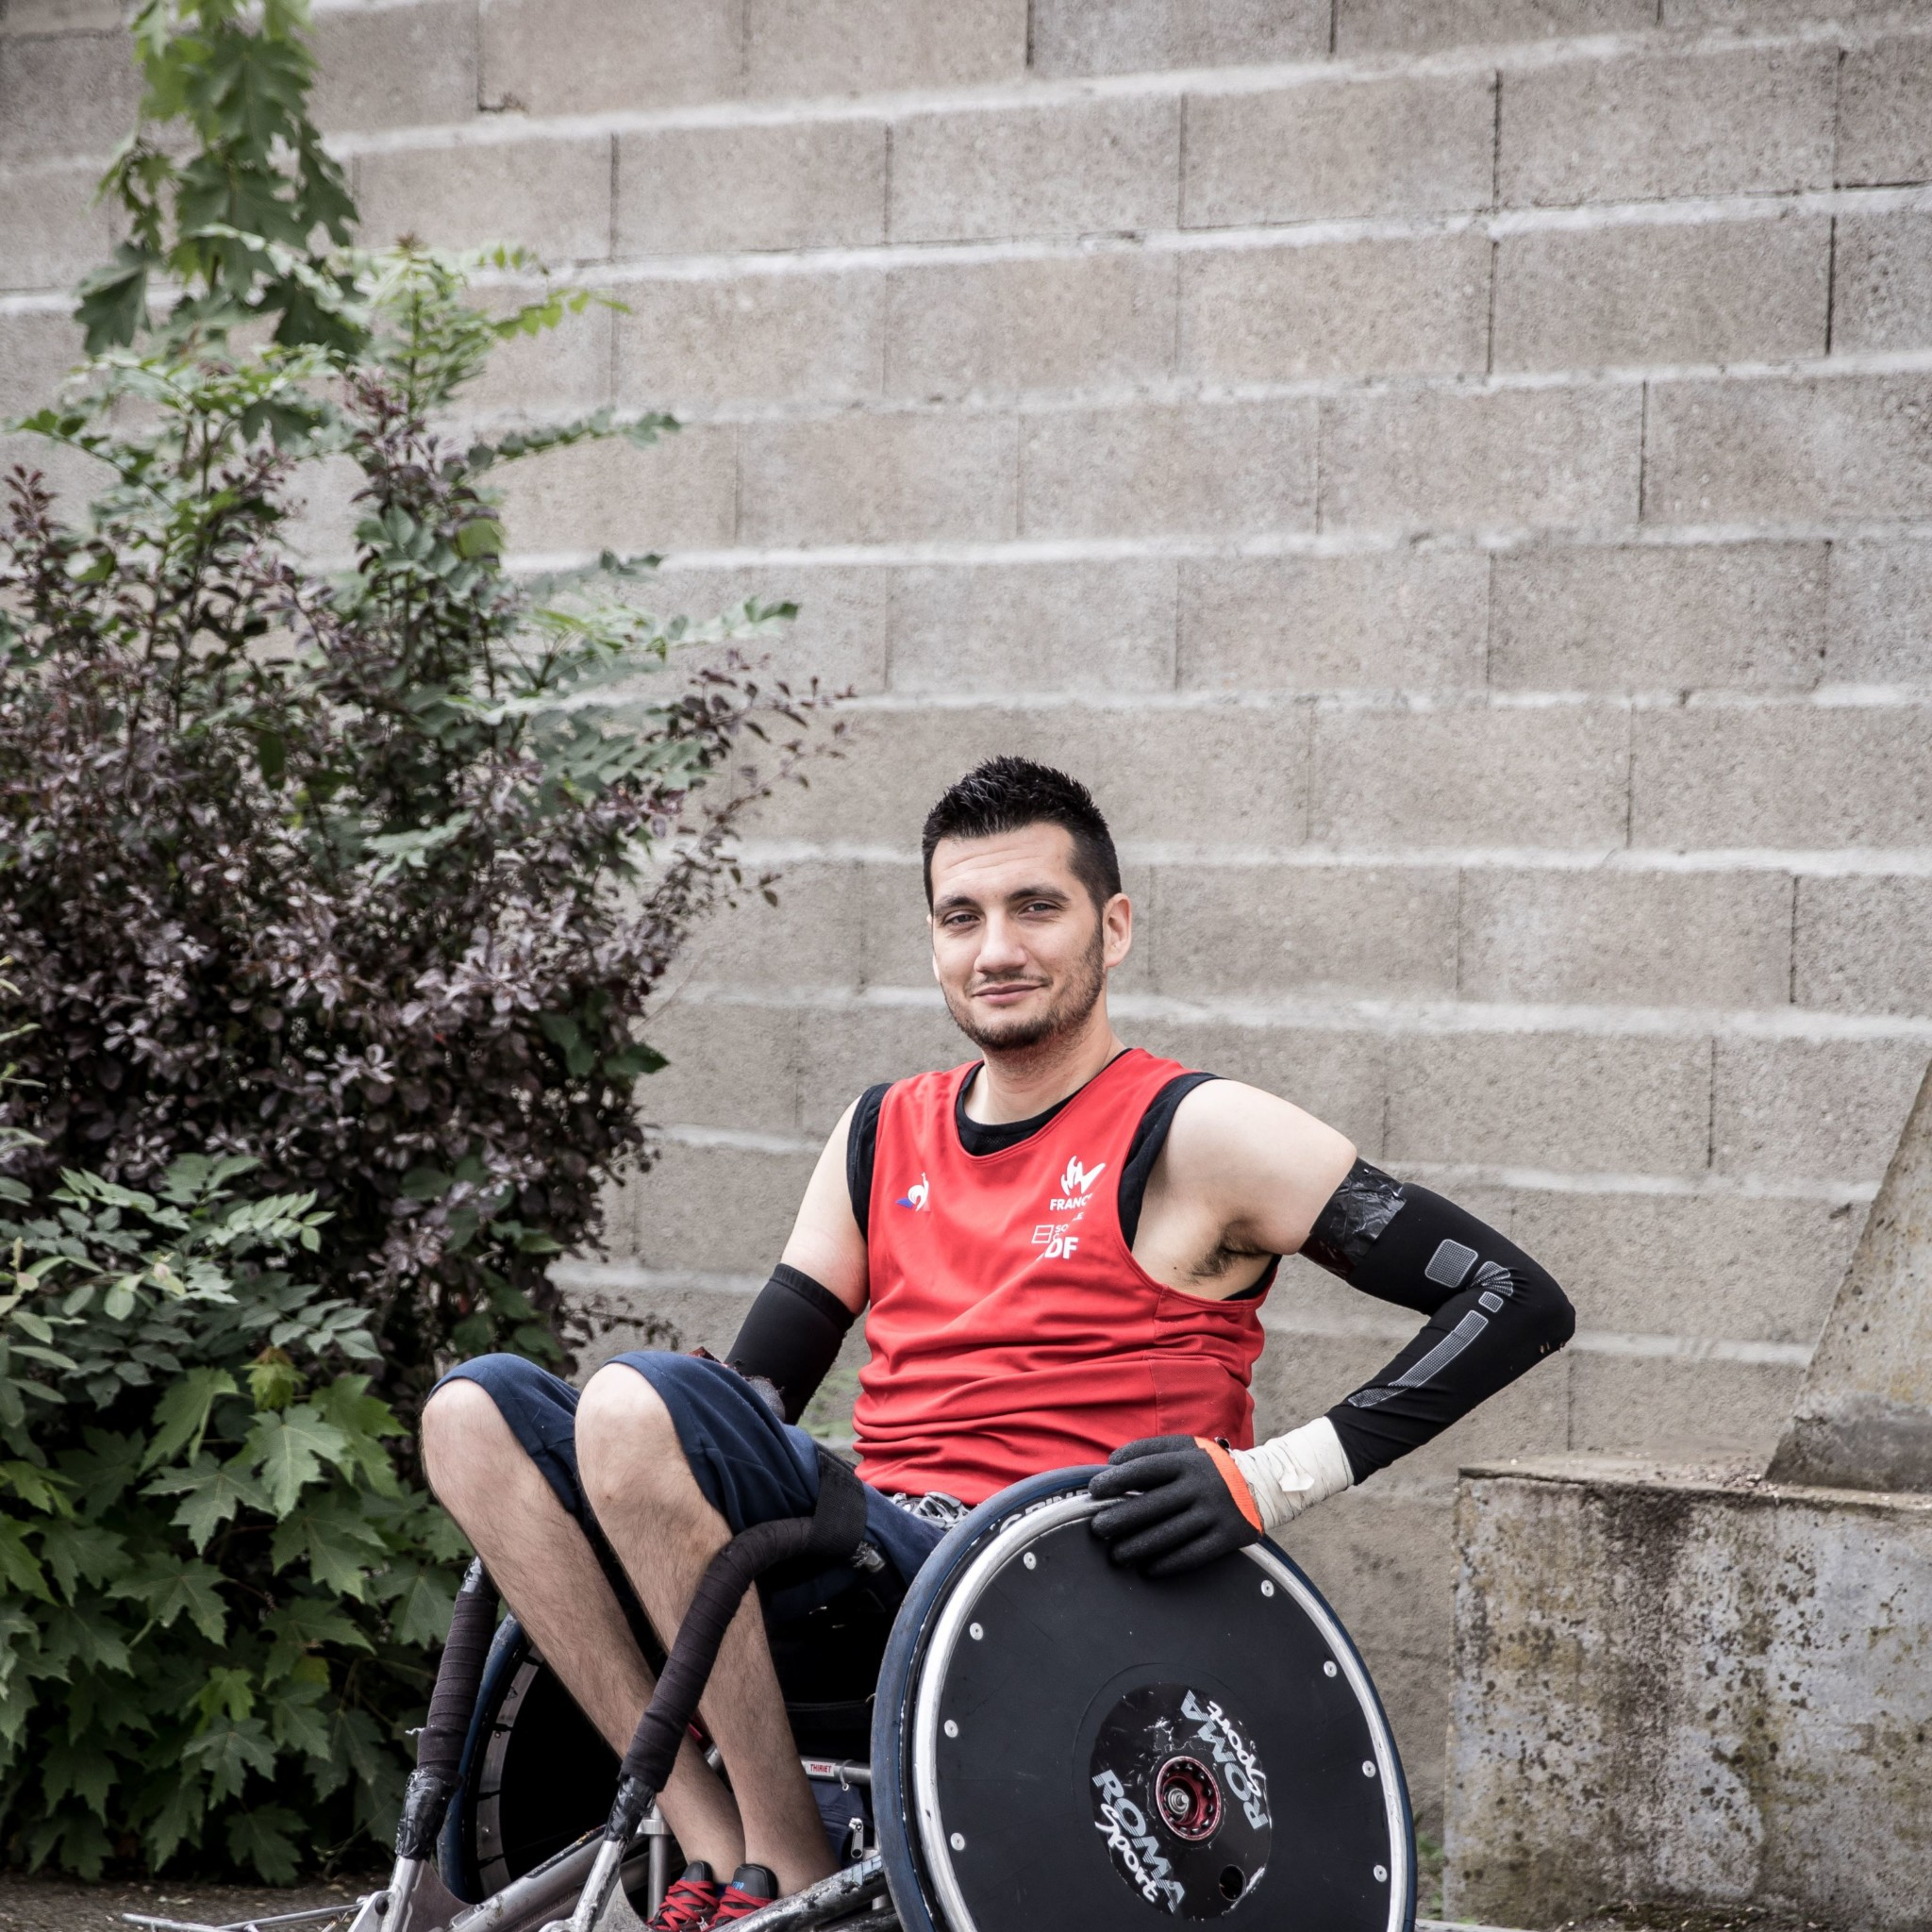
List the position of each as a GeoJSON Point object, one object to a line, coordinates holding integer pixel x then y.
{"type": "Point", "coordinates": [1224, 1128]}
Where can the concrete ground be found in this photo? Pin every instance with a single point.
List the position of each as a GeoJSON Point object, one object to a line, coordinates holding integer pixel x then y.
{"type": "Point", "coordinates": [50, 1905]}
{"type": "Point", "coordinates": [65, 1904]}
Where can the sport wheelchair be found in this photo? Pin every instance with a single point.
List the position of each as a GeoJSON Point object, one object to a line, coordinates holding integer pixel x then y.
{"type": "Point", "coordinates": [1053, 1741]}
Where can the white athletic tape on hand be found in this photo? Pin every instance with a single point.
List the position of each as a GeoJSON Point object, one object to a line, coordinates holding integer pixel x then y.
{"type": "Point", "coordinates": [1288, 1472]}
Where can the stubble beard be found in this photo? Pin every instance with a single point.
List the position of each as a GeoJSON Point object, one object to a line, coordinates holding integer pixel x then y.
{"type": "Point", "coordinates": [1065, 1014]}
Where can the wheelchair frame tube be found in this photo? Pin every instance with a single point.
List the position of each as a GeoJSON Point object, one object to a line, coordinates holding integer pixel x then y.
{"type": "Point", "coordinates": [452, 1703]}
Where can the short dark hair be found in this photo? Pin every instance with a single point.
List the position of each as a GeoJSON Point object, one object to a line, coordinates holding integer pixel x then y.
{"type": "Point", "coordinates": [1004, 794]}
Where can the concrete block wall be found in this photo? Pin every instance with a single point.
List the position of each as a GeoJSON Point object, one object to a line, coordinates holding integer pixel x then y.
{"type": "Point", "coordinates": [1454, 475]}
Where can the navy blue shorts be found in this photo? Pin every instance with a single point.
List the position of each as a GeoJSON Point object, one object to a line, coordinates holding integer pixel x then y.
{"type": "Point", "coordinates": [752, 1467]}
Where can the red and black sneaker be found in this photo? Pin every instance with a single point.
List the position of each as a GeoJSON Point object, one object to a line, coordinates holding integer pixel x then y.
{"type": "Point", "coordinates": [752, 1889]}
{"type": "Point", "coordinates": [690, 1904]}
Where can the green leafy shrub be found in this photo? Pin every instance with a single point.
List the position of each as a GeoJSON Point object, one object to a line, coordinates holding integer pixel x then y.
{"type": "Point", "coordinates": [365, 874]}
{"type": "Point", "coordinates": [220, 1599]}
{"type": "Point", "coordinates": [349, 874]}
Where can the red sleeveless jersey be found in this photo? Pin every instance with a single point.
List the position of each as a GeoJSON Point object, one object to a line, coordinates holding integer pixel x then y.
{"type": "Point", "coordinates": [1011, 1330]}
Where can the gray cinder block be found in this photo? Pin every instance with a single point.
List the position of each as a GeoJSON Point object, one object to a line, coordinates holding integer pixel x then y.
{"type": "Point", "coordinates": [1471, 776]}
{"type": "Point", "coordinates": [1399, 308]}
{"type": "Point", "coordinates": [1077, 168]}
{"type": "Point", "coordinates": [1002, 329]}
{"type": "Point", "coordinates": [1121, 36]}
{"type": "Point", "coordinates": [723, 1208]}
{"type": "Point", "coordinates": [52, 231]}
{"type": "Point", "coordinates": [1567, 1102]}
{"type": "Point", "coordinates": [1282, 932]}
{"type": "Point", "coordinates": [811, 184]}
{"type": "Point", "coordinates": [1808, 1109]}
{"type": "Point", "coordinates": [1788, 449]}
{"type": "Point", "coordinates": [1232, 772]}
{"type": "Point", "coordinates": [396, 66]}
{"type": "Point", "coordinates": [751, 339]}
{"type": "Point", "coordinates": [1414, 620]}
{"type": "Point", "coordinates": [1881, 291]}
{"type": "Point", "coordinates": [1752, 120]}
{"type": "Point", "coordinates": [1333, 148]}
{"type": "Point", "coordinates": [581, 56]}
{"type": "Point", "coordinates": [1090, 626]}
{"type": "Point", "coordinates": [1660, 617]}
{"type": "Point", "coordinates": [1423, 26]}
{"type": "Point", "coordinates": [807, 940]}
{"type": "Point", "coordinates": [565, 368]}
{"type": "Point", "coordinates": [1439, 459]}
{"type": "Point", "coordinates": [839, 638]}
{"type": "Point", "coordinates": [66, 94]}
{"type": "Point", "coordinates": [551, 196]}
{"type": "Point", "coordinates": [877, 477]}
{"type": "Point", "coordinates": [1705, 293]}
{"type": "Point", "coordinates": [1884, 112]}
{"type": "Point", "coordinates": [1864, 946]}
{"type": "Point", "coordinates": [1148, 468]}
{"type": "Point", "coordinates": [1676, 1410]}
{"type": "Point", "coordinates": [1700, 1266]}
{"type": "Point", "coordinates": [807, 47]}
{"type": "Point", "coordinates": [1880, 613]}
{"type": "Point", "coordinates": [730, 1065]}
{"type": "Point", "coordinates": [1653, 939]}
{"type": "Point", "coordinates": [62, 16]}
{"type": "Point", "coordinates": [35, 351]}
{"type": "Point", "coordinates": [1782, 777]}
{"type": "Point", "coordinates": [615, 495]}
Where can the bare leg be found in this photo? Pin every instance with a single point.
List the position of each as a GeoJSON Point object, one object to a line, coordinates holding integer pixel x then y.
{"type": "Point", "coordinates": [548, 1572]}
{"type": "Point", "coordinates": [664, 1533]}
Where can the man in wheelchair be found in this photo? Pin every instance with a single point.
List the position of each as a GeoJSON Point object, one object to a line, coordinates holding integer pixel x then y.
{"type": "Point", "coordinates": [1061, 1249]}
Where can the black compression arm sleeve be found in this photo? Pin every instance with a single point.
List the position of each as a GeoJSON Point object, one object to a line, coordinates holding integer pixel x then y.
{"type": "Point", "coordinates": [1492, 1311]}
{"type": "Point", "coordinates": [791, 1337]}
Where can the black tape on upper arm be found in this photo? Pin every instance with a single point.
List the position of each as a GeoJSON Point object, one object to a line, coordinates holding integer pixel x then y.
{"type": "Point", "coordinates": [791, 1337]}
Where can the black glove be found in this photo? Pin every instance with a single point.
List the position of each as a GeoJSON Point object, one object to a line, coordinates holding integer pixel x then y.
{"type": "Point", "coordinates": [1194, 1505]}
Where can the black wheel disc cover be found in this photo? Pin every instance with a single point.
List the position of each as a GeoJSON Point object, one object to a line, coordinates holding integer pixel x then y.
{"type": "Point", "coordinates": [1083, 1676]}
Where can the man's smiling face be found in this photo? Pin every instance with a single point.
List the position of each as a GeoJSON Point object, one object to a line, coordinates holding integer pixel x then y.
{"type": "Point", "coordinates": [1018, 948]}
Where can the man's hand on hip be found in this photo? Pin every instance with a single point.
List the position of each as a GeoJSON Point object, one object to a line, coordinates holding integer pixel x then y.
{"type": "Point", "coordinates": [1197, 1500]}
{"type": "Point", "coordinates": [1176, 1502]}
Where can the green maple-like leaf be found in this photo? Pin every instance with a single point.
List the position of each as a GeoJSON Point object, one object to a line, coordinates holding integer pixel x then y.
{"type": "Point", "coordinates": [333, 1536]}
{"type": "Point", "coordinates": [297, 1629]}
{"type": "Point", "coordinates": [420, 1612]}
{"type": "Point", "coordinates": [262, 1837]}
{"type": "Point", "coordinates": [183, 1413]}
{"type": "Point", "coordinates": [290, 1447]}
{"type": "Point", "coordinates": [83, 1769]}
{"type": "Point", "coordinates": [298, 1722]}
{"type": "Point", "coordinates": [177, 1820]}
{"type": "Point", "coordinates": [75, 1550]}
{"type": "Point", "coordinates": [20, 1568]}
{"type": "Point", "coordinates": [211, 1492]}
{"type": "Point", "coordinates": [227, 1750]}
{"type": "Point", "coordinates": [173, 1589]}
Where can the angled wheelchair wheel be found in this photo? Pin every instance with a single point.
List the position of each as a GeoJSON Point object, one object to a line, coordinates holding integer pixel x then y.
{"type": "Point", "coordinates": [535, 1773]}
{"type": "Point", "coordinates": [1059, 1742]}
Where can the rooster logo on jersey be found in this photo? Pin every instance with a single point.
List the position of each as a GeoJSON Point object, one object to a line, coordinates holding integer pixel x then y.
{"type": "Point", "coordinates": [917, 1196]}
{"type": "Point", "coordinates": [1076, 1187]}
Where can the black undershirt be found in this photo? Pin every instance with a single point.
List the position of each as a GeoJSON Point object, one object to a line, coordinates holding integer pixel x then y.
{"type": "Point", "coordinates": [981, 1138]}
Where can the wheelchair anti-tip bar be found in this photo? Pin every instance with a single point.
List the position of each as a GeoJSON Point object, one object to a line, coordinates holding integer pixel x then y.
{"type": "Point", "coordinates": [832, 1533]}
